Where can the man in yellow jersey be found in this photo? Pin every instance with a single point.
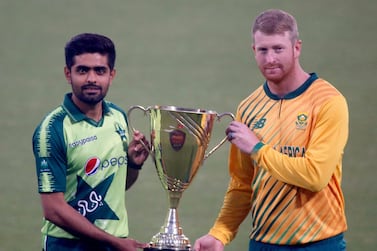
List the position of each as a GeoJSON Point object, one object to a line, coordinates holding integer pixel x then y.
{"type": "Point", "coordinates": [285, 160]}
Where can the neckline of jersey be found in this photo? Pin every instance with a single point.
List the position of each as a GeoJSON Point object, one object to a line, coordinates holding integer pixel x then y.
{"type": "Point", "coordinates": [313, 76]}
{"type": "Point", "coordinates": [75, 113]}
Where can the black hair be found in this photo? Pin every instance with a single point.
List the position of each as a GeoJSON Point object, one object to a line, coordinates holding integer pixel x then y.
{"type": "Point", "coordinates": [89, 43]}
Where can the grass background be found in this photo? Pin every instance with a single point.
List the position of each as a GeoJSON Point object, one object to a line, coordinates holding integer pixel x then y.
{"type": "Point", "coordinates": [185, 53]}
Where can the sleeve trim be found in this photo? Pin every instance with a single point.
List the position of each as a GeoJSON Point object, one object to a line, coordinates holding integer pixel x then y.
{"type": "Point", "coordinates": [256, 148]}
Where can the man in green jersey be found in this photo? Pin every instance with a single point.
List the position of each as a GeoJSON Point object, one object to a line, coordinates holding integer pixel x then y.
{"type": "Point", "coordinates": [85, 158]}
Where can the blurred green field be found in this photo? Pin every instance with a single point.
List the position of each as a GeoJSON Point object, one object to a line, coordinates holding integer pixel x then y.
{"type": "Point", "coordinates": [185, 53]}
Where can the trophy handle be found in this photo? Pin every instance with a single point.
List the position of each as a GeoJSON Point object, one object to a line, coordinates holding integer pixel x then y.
{"type": "Point", "coordinates": [145, 110]}
{"type": "Point", "coordinates": [219, 116]}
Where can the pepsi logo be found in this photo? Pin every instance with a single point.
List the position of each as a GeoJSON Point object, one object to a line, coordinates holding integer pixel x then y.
{"type": "Point", "coordinates": [92, 165]}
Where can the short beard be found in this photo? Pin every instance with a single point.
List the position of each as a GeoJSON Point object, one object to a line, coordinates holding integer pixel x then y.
{"type": "Point", "coordinates": [90, 99]}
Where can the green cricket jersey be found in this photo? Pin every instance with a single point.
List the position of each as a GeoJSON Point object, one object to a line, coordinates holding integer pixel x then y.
{"type": "Point", "coordinates": [87, 161]}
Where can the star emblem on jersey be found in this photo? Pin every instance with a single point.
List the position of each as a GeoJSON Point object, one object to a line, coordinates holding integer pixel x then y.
{"type": "Point", "coordinates": [90, 202]}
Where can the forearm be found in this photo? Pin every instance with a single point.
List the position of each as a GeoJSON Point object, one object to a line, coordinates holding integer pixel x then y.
{"type": "Point", "coordinates": [235, 209]}
{"type": "Point", "coordinates": [237, 200]}
{"type": "Point", "coordinates": [320, 157]}
{"type": "Point", "coordinates": [67, 218]}
{"type": "Point", "coordinates": [303, 172]}
{"type": "Point", "coordinates": [132, 175]}
{"type": "Point", "coordinates": [320, 160]}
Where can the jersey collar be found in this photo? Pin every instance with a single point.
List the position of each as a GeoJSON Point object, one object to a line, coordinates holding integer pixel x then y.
{"type": "Point", "coordinates": [74, 111]}
{"type": "Point", "coordinates": [295, 93]}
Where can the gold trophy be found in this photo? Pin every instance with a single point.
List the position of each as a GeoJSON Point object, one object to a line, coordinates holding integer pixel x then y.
{"type": "Point", "coordinates": [179, 140]}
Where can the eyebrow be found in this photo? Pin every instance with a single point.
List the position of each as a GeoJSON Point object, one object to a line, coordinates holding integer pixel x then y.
{"type": "Point", "coordinates": [95, 68]}
{"type": "Point", "coordinates": [270, 46]}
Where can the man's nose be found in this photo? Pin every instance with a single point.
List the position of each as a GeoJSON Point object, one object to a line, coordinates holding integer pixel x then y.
{"type": "Point", "coordinates": [270, 57]}
{"type": "Point", "coordinates": [92, 76]}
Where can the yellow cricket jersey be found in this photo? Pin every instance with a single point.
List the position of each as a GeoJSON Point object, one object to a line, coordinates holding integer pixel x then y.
{"type": "Point", "coordinates": [291, 183]}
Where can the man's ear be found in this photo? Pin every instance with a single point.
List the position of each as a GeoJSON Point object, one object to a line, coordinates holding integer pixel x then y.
{"type": "Point", "coordinates": [112, 74]}
{"type": "Point", "coordinates": [298, 46]}
{"type": "Point", "coordinates": [67, 74]}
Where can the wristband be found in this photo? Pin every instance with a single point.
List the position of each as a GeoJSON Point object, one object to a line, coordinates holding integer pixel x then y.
{"type": "Point", "coordinates": [256, 148]}
{"type": "Point", "coordinates": [133, 165]}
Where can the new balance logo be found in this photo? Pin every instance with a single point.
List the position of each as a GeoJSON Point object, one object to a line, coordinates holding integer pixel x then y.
{"type": "Point", "coordinates": [259, 124]}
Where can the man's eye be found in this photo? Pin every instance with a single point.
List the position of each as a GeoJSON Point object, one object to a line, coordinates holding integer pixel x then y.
{"type": "Point", "coordinates": [82, 70]}
{"type": "Point", "coordinates": [100, 70]}
{"type": "Point", "coordinates": [262, 50]}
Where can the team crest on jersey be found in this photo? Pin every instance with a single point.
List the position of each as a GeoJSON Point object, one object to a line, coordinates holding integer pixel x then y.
{"type": "Point", "coordinates": [302, 121]}
{"type": "Point", "coordinates": [121, 131]}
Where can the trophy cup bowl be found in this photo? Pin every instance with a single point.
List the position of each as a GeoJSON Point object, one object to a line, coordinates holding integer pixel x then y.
{"type": "Point", "coordinates": [179, 141]}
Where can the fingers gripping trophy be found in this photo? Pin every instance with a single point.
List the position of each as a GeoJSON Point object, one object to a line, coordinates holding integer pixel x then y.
{"type": "Point", "coordinates": [179, 141]}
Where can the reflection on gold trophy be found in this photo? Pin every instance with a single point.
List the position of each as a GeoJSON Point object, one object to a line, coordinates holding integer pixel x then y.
{"type": "Point", "coordinates": [179, 140]}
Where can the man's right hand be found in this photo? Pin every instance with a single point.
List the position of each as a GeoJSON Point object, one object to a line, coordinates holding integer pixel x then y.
{"type": "Point", "coordinates": [208, 243]}
{"type": "Point", "coordinates": [128, 244]}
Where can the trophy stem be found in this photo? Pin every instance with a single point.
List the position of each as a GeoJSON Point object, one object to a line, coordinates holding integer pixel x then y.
{"type": "Point", "coordinates": [171, 225]}
{"type": "Point", "coordinates": [174, 198]}
{"type": "Point", "coordinates": [171, 237]}
{"type": "Point", "coordinates": [172, 221]}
